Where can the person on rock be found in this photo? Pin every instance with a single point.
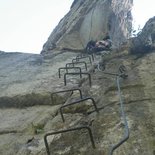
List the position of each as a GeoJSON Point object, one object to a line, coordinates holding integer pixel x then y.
{"type": "Point", "coordinates": [90, 46]}
{"type": "Point", "coordinates": [96, 46]}
{"type": "Point", "coordinates": [105, 43]}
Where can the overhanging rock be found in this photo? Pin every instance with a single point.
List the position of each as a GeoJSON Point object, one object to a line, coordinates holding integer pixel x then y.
{"type": "Point", "coordinates": [91, 20]}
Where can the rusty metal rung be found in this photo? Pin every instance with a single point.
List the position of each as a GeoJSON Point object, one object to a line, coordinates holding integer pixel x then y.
{"type": "Point", "coordinates": [76, 102]}
{"type": "Point", "coordinates": [80, 62]}
{"type": "Point", "coordinates": [66, 68]}
{"type": "Point", "coordinates": [68, 130]}
{"type": "Point", "coordinates": [68, 90]}
{"type": "Point", "coordinates": [84, 55]}
{"type": "Point", "coordinates": [77, 59]}
{"type": "Point", "coordinates": [65, 82]}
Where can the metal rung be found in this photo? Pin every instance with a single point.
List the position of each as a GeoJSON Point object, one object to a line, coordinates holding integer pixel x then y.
{"type": "Point", "coordinates": [75, 102]}
{"type": "Point", "coordinates": [77, 59]}
{"type": "Point", "coordinates": [80, 62]}
{"type": "Point", "coordinates": [68, 130]}
{"type": "Point", "coordinates": [68, 90]}
{"type": "Point", "coordinates": [66, 68]}
{"type": "Point", "coordinates": [65, 82]}
{"type": "Point", "coordinates": [84, 55]}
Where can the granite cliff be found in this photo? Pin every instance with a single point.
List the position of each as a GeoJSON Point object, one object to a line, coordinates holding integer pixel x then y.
{"type": "Point", "coordinates": [92, 20]}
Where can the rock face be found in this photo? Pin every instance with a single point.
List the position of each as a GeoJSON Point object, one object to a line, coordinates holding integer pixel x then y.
{"type": "Point", "coordinates": [23, 127]}
{"type": "Point", "coordinates": [91, 20]}
{"type": "Point", "coordinates": [29, 109]}
{"type": "Point", "coordinates": [145, 41]}
{"type": "Point", "coordinates": [24, 76]}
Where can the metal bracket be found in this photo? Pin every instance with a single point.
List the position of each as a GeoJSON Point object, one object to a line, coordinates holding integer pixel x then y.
{"type": "Point", "coordinates": [66, 68]}
{"type": "Point", "coordinates": [75, 102]}
{"type": "Point", "coordinates": [68, 90]}
{"type": "Point", "coordinates": [121, 71]}
{"type": "Point", "coordinates": [68, 130]}
{"type": "Point", "coordinates": [65, 82]}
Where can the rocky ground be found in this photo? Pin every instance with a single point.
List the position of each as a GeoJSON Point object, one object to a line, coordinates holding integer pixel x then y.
{"type": "Point", "coordinates": [27, 112]}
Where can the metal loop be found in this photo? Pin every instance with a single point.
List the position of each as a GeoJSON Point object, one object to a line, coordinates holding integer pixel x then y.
{"type": "Point", "coordinates": [75, 102]}
{"type": "Point", "coordinates": [68, 90]}
{"type": "Point", "coordinates": [89, 76]}
{"type": "Point", "coordinates": [85, 55]}
{"type": "Point", "coordinates": [80, 62]}
{"type": "Point", "coordinates": [66, 68]}
{"type": "Point", "coordinates": [78, 58]}
{"type": "Point", "coordinates": [68, 130]}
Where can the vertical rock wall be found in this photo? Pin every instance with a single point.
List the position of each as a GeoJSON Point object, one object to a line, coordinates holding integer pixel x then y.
{"type": "Point", "coordinates": [145, 40]}
{"type": "Point", "coordinates": [91, 20]}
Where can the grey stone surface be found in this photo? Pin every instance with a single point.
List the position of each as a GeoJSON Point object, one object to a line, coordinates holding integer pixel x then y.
{"type": "Point", "coordinates": [22, 129]}
{"type": "Point", "coordinates": [92, 20]}
{"type": "Point", "coordinates": [144, 42]}
{"type": "Point", "coordinates": [27, 112]}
